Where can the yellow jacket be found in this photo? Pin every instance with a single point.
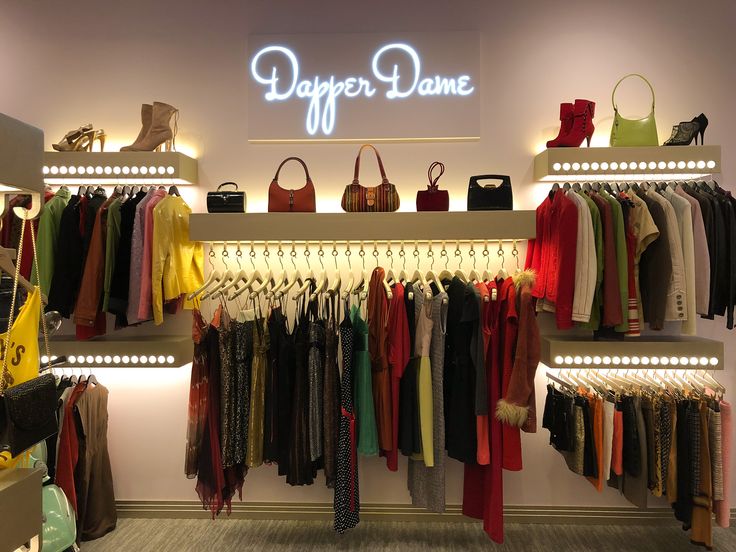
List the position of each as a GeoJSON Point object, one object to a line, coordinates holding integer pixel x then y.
{"type": "Point", "coordinates": [177, 264]}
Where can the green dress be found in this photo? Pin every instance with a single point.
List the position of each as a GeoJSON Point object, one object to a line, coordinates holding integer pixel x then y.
{"type": "Point", "coordinates": [364, 410]}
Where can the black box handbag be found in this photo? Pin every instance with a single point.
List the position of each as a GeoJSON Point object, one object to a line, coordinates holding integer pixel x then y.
{"type": "Point", "coordinates": [226, 201]}
{"type": "Point", "coordinates": [490, 197]}
{"type": "Point", "coordinates": [28, 414]}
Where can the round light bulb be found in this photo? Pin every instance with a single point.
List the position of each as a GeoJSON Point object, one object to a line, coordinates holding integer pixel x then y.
{"type": "Point", "coordinates": [654, 361]}
{"type": "Point", "coordinates": [559, 359]}
{"type": "Point", "coordinates": [46, 170]}
{"type": "Point", "coordinates": [623, 166]}
{"type": "Point", "coordinates": [90, 169]}
{"type": "Point", "coordinates": [691, 164]}
{"type": "Point", "coordinates": [568, 360]}
{"type": "Point", "coordinates": [642, 165]}
{"type": "Point", "coordinates": [116, 170]}
{"type": "Point", "coordinates": [684, 361]}
{"type": "Point", "coordinates": [635, 360]}
{"type": "Point", "coordinates": [72, 359]}
{"type": "Point", "coordinates": [116, 359]}
{"type": "Point", "coordinates": [63, 170]}
{"type": "Point", "coordinates": [172, 170]}
{"type": "Point", "coordinates": [616, 360]}
{"type": "Point", "coordinates": [713, 361]}
{"type": "Point", "coordinates": [586, 166]}
{"type": "Point", "coordinates": [151, 170]}
{"type": "Point", "coordinates": [625, 360]}
{"type": "Point", "coordinates": [72, 170]}
{"type": "Point", "coordinates": [54, 170]}
{"type": "Point", "coordinates": [701, 164]}
{"type": "Point", "coordinates": [681, 164]}
{"type": "Point", "coordinates": [170, 359]}
{"type": "Point", "coordinates": [133, 170]}
{"type": "Point", "coordinates": [577, 359]}
{"type": "Point", "coordinates": [98, 170]}
{"type": "Point", "coordinates": [90, 359]}
{"type": "Point", "coordinates": [161, 170]}
{"type": "Point", "coordinates": [711, 164]}
{"type": "Point", "coordinates": [664, 361]}
{"type": "Point", "coordinates": [674, 361]}
{"type": "Point", "coordinates": [672, 165]}
{"type": "Point", "coordinates": [134, 359]}
{"type": "Point", "coordinates": [107, 359]}
{"type": "Point", "coordinates": [693, 361]}
{"type": "Point", "coordinates": [606, 359]}
{"type": "Point", "coordinates": [98, 359]}
{"type": "Point", "coordinates": [143, 359]}
{"type": "Point", "coordinates": [108, 170]}
{"type": "Point", "coordinates": [587, 360]}
{"type": "Point", "coordinates": [604, 166]}
{"type": "Point", "coordinates": [125, 359]}
{"type": "Point", "coordinates": [595, 165]}
{"type": "Point", "coordinates": [143, 170]}
{"type": "Point", "coordinates": [661, 165]}
{"type": "Point", "coordinates": [576, 166]}
{"type": "Point", "coordinates": [81, 170]}
{"type": "Point", "coordinates": [614, 166]}
{"type": "Point", "coordinates": [161, 359]}
{"type": "Point", "coordinates": [126, 170]}
{"type": "Point", "coordinates": [596, 360]}
{"type": "Point", "coordinates": [44, 359]}
{"type": "Point", "coordinates": [644, 360]}
{"type": "Point", "coordinates": [652, 165]}
{"type": "Point", "coordinates": [703, 361]}
{"type": "Point", "coordinates": [566, 166]}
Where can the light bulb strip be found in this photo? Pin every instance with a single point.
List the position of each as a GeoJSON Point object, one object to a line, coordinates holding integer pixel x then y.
{"type": "Point", "coordinates": [160, 351]}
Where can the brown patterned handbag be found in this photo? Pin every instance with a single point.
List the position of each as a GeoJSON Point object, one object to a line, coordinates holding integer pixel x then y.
{"type": "Point", "coordinates": [360, 199]}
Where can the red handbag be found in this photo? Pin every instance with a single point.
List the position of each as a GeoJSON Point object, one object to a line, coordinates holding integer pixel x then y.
{"type": "Point", "coordinates": [281, 200]}
{"type": "Point", "coordinates": [360, 199]}
{"type": "Point", "coordinates": [433, 199]}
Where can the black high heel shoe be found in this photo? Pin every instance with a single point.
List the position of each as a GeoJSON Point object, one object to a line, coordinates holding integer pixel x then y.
{"type": "Point", "coordinates": [702, 121]}
{"type": "Point", "coordinates": [683, 134]}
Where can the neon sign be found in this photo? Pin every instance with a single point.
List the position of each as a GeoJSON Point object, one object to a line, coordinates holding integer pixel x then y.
{"type": "Point", "coordinates": [322, 93]}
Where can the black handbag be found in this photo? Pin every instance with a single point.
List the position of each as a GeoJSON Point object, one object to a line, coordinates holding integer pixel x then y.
{"type": "Point", "coordinates": [226, 201]}
{"type": "Point", "coordinates": [28, 414]}
{"type": "Point", "coordinates": [490, 197]}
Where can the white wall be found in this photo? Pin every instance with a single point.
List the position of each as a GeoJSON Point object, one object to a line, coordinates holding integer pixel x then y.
{"type": "Point", "coordinates": [65, 64]}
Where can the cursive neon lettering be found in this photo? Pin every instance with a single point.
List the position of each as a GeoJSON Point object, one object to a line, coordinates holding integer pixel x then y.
{"type": "Point", "coordinates": [322, 93]}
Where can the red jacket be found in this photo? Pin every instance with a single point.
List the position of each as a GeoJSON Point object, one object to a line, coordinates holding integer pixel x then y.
{"type": "Point", "coordinates": [552, 255]}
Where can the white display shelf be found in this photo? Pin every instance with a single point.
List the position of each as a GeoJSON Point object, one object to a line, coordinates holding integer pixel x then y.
{"type": "Point", "coordinates": [119, 167]}
{"type": "Point", "coordinates": [665, 352]}
{"type": "Point", "coordinates": [644, 163]}
{"type": "Point", "coordinates": [424, 226]}
{"type": "Point", "coordinates": [133, 352]}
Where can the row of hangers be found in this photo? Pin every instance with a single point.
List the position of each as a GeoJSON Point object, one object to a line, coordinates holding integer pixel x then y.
{"type": "Point", "coordinates": [126, 191]}
{"type": "Point", "coordinates": [277, 285]}
{"type": "Point", "coordinates": [86, 379]}
{"type": "Point", "coordinates": [615, 188]}
{"type": "Point", "coordinates": [627, 380]}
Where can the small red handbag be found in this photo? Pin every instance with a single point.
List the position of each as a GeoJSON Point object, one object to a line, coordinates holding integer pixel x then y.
{"type": "Point", "coordinates": [360, 199]}
{"type": "Point", "coordinates": [281, 200]}
{"type": "Point", "coordinates": [433, 199]}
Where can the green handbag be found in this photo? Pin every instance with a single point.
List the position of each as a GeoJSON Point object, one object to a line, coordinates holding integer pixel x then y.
{"type": "Point", "coordinates": [633, 132]}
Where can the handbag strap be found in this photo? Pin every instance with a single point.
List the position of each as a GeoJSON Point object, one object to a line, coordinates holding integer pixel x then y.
{"type": "Point", "coordinates": [613, 94]}
{"type": "Point", "coordinates": [384, 180]}
{"type": "Point", "coordinates": [228, 184]}
{"type": "Point", "coordinates": [433, 180]}
{"type": "Point", "coordinates": [306, 171]}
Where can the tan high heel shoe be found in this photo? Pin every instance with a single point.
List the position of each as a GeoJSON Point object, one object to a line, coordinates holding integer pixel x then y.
{"type": "Point", "coordinates": [97, 136]}
{"type": "Point", "coordinates": [72, 139]}
{"type": "Point", "coordinates": [160, 132]}
{"type": "Point", "coordinates": [146, 117]}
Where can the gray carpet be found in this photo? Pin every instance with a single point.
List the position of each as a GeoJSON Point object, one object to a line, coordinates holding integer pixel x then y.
{"type": "Point", "coordinates": [165, 535]}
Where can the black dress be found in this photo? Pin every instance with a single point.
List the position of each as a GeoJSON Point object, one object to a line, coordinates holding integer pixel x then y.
{"type": "Point", "coordinates": [347, 497]}
{"type": "Point", "coordinates": [282, 345]}
{"type": "Point", "coordinates": [331, 396]}
{"type": "Point", "coordinates": [301, 471]}
{"type": "Point", "coordinates": [409, 432]}
{"type": "Point", "coordinates": [277, 333]}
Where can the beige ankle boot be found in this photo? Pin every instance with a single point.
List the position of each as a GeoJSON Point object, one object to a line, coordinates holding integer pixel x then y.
{"type": "Point", "coordinates": [146, 114]}
{"type": "Point", "coordinates": [160, 132]}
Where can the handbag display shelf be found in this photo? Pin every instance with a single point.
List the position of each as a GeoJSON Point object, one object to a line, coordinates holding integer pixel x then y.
{"type": "Point", "coordinates": [477, 225]}
{"type": "Point", "coordinates": [646, 163]}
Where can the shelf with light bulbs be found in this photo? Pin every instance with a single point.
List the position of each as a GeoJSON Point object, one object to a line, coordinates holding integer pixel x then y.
{"type": "Point", "coordinates": [119, 168]}
{"type": "Point", "coordinates": [132, 352]}
{"type": "Point", "coordinates": [627, 163]}
{"type": "Point", "coordinates": [354, 227]}
{"type": "Point", "coordinates": [646, 352]}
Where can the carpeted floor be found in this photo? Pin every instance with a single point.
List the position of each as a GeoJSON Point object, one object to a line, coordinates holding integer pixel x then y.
{"type": "Point", "coordinates": [168, 535]}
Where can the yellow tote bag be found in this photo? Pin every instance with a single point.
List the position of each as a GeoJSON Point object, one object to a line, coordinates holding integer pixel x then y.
{"type": "Point", "coordinates": [23, 361]}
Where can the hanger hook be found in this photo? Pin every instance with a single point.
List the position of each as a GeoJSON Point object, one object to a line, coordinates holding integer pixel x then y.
{"type": "Point", "coordinates": [515, 253]}
{"type": "Point", "coordinates": [390, 254]}
{"type": "Point", "coordinates": [292, 254]}
{"type": "Point", "coordinates": [320, 255]}
{"type": "Point", "coordinates": [501, 253]}
{"type": "Point", "coordinates": [375, 253]}
{"type": "Point", "coordinates": [252, 255]}
{"type": "Point", "coordinates": [459, 255]}
{"type": "Point", "coordinates": [471, 252]}
{"type": "Point", "coordinates": [266, 255]}
{"type": "Point", "coordinates": [212, 257]}
{"type": "Point", "coordinates": [402, 254]}
{"type": "Point", "coordinates": [362, 254]}
{"type": "Point", "coordinates": [348, 253]}
{"type": "Point", "coordinates": [225, 254]}
{"type": "Point", "coordinates": [280, 254]}
{"type": "Point", "coordinates": [430, 254]}
{"type": "Point", "coordinates": [487, 254]}
{"type": "Point", "coordinates": [416, 253]}
{"type": "Point", "coordinates": [239, 256]}
{"type": "Point", "coordinates": [307, 254]}
{"type": "Point", "coordinates": [334, 254]}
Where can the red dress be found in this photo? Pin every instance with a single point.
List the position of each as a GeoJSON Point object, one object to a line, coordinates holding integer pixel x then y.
{"type": "Point", "coordinates": [399, 349]}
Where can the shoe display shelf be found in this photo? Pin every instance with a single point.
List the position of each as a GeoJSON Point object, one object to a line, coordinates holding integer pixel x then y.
{"type": "Point", "coordinates": [644, 353]}
{"type": "Point", "coordinates": [153, 351]}
{"type": "Point", "coordinates": [114, 168]}
{"type": "Point", "coordinates": [627, 163]}
{"type": "Point", "coordinates": [394, 227]}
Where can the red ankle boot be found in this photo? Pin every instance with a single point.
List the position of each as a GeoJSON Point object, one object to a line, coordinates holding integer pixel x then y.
{"type": "Point", "coordinates": [582, 125]}
{"type": "Point", "coordinates": [566, 116]}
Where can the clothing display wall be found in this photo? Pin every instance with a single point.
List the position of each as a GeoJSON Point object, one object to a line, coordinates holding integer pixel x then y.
{"type": "Point", "coordinates": [200, 67]}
